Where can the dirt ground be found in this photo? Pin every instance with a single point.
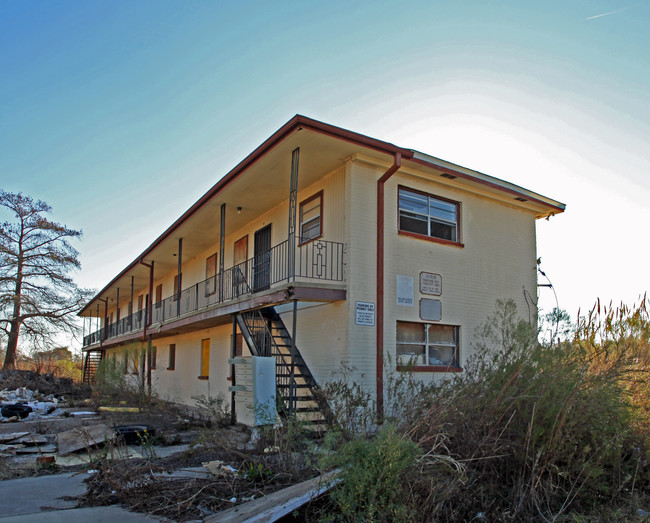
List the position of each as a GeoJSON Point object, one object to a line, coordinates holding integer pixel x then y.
{"type": "Point", "coordinates": [163, 474]}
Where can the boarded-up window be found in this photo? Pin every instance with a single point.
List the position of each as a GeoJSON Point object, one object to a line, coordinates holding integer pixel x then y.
{"type": "Point", "coordinates": [205, 358]}
{"type": "Point", "coordinates": [171, 365]}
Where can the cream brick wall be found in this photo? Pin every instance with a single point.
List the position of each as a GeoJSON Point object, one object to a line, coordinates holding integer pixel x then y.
{"type": "Point", "coordinates": [182, 383]}
{"type": "Point", "coordinates": [498, 260]}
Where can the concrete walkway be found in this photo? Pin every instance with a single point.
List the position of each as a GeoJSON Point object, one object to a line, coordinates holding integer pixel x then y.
{"type": "Point", "coordinates": [41, 499]}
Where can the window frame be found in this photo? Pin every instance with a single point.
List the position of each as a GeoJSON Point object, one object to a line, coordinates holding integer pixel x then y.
{"type": "Point", "coordinates": [435, 239]}
{"type": "Point", "coordinates": [414, 367]}
{"type": "Point", "coordinates": [175, 290]}
{"type": "Point", "coordinates": [319, 196]}
{"type": "Point", "coordinates": [171, 357]}
{"type": "Point", "coordinates": [205, 359]}
{"type": "Point", "coordinates": [211, 262]}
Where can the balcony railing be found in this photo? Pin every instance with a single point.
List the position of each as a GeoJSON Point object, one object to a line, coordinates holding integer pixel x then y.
{"type": "Point", "coordinates": [314, 260]}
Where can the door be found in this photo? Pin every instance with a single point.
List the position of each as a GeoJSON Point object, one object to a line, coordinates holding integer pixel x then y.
{"type": "Point", "coordinates": [262, 259]}
{"type": "Point", "coordinates": [240, 267]}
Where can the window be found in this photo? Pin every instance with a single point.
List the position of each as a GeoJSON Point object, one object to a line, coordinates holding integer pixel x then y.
{"type": "Point", "coordinates": [171, 364]}
{"type": "Point", "coordinates": [154, 355]}
{"type": "Point", "coordinates": [427, 345]}
{"type": "Point", "coordinates": [159, 296]}
{"type": "Point", "coordinates": [205, 359]}
{"type": "Point", "coordinates": [311, 223]}
{"type": "Point", "coordinates": [428, 215]}
{"type": "Point", "coordinates": [177, 278]}
{"type": "Point", "coordinates": [211, 274]}
{"type": "Point", "coordinates": [125, 362]}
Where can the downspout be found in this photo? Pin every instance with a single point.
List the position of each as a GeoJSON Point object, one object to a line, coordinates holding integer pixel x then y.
{"type": "Point", "coordinates": [397, 163]}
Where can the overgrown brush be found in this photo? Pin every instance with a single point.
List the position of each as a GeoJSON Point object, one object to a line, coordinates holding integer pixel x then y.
{"type": "Point", "coordinates": [122, 380]}
{"type": "Point", "coordinates": [527, 432]}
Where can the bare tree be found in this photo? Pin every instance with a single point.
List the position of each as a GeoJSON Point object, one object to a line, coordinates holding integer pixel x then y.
{"type": "Point", "coordinates": [38, 297]}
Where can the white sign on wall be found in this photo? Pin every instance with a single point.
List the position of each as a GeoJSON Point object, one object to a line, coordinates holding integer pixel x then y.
{"type": "Point", "coordinates": [405, 291]}
{"type": "Point", "coordinates": [430, 283]}
{"type": "Point", "coordinates": [365, 313]}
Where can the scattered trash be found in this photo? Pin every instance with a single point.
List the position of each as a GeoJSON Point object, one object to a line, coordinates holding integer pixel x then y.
{"type": "Point", "coordinates": [92, 471]}
{"type": "Point", "coordinates": [134, 434]}
{"type": "Point", "coordinates": [218, 468]}
{"type": "Point", "coordinates": [15, 409]}
{"type": "Point", "coordinates": [24, 403]}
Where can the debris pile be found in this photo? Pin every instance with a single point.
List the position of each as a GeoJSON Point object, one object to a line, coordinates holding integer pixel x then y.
{"type": "Point", "coordinates": [23, 403]}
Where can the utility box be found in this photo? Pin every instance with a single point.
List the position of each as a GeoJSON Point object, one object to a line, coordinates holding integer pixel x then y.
{"type": "Point", "coordinates": [254, 390]}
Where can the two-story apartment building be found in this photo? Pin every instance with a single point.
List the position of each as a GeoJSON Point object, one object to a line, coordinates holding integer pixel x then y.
{"type": "Point", "coordinates": [323, 247]}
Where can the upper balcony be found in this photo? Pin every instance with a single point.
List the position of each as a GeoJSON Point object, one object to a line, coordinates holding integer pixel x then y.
{"type": "Point", "coordinates": [285, 265]}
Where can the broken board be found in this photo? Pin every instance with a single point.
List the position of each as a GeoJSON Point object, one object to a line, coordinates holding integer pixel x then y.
{"type": "Point", "coordinates": [83, 437]}
{"type": "Point", "coordinates": [12, 436]}
{"type": "Point", "coordinates": [274, 506]}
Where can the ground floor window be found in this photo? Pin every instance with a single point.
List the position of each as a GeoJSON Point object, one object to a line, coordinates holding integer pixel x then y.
{"type": "Point", "coordinates": [427, 345]}
{"type": "Point", "coordinates": [171, 364]}
{"type": "Point", "coordinates": [205, 359]}
{"type": "Point", "coordinates": [154, 355]}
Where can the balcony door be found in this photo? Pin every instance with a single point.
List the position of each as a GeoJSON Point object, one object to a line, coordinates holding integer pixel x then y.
{"type": "Point", "coordinates": [262, 259]}
{"type": "Point", "coordinates": [240, 268]}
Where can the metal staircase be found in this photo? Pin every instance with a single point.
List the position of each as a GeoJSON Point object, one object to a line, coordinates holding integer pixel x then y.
{"type": "Point", "coordinates": [91, 365]}
{"type": "Point", "coordinates": [266, 335]}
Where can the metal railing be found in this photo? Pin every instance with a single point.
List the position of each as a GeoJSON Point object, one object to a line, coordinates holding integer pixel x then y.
{"type": "Point", "coordinates": [314, 260]}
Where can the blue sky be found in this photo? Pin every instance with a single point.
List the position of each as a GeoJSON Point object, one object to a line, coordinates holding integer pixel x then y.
{"type": "Point", "coordinates": [120, 114]}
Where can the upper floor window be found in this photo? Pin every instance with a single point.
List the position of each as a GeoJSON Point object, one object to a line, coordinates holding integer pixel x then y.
{"type": "Point", "coordinates": [311, 218]}
{"type": "Point", "coordinates": [428, 215]}
{"type": "Point", "coordinates": [211, 274]}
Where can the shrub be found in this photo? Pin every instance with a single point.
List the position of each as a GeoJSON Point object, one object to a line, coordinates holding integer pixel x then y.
{"type": "Point", "coordinates": [373, 486]}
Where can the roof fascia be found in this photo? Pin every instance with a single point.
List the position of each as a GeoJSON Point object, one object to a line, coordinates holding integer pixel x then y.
{"type": "Point", "coordinates": [554, 206]}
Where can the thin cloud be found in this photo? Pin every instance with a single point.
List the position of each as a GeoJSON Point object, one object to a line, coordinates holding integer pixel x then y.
{"type": "Point", "coordinates": [609, 13]}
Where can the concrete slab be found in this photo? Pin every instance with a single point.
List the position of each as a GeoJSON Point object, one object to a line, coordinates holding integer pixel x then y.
{"type": "Point", "coordinates": [82, 515]}
{"type": "Point", "coordinates": [29, 495]}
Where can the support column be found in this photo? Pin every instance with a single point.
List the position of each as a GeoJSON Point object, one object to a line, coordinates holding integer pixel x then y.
{"type": "Point", "coordinates": [293, 204]}
{"type": "Point", "coordinates": [293, 403]}
{"type": "Point", "coordinates": [131, 307]}
{"type": "Point", "coordinates": [105, 318]}
{"type": "Point", "coordinates": [222, 247]}
{"type": "Point", "coordinates": [178, 290]}
{"type": "Point", "coordinates": [150, 300]}
{"type": "Point", "coordinates": [233, 380]}
{"type": "Point", "coordinates": [117, 311]}
{"type": "Point", "coordinates": [149, 366]}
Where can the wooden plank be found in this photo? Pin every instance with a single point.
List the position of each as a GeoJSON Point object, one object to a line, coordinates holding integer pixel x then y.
{"type": "Point", "coordinates": [36, 439]}
{"type": "Point", "coordinates": [50, 448]}
{"type": "Point", "coordinates": [275, 506]}
{"type": "Point", "coordinates": [83, 437]}
{"type": "Point", "coordinates": [12, 436]}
